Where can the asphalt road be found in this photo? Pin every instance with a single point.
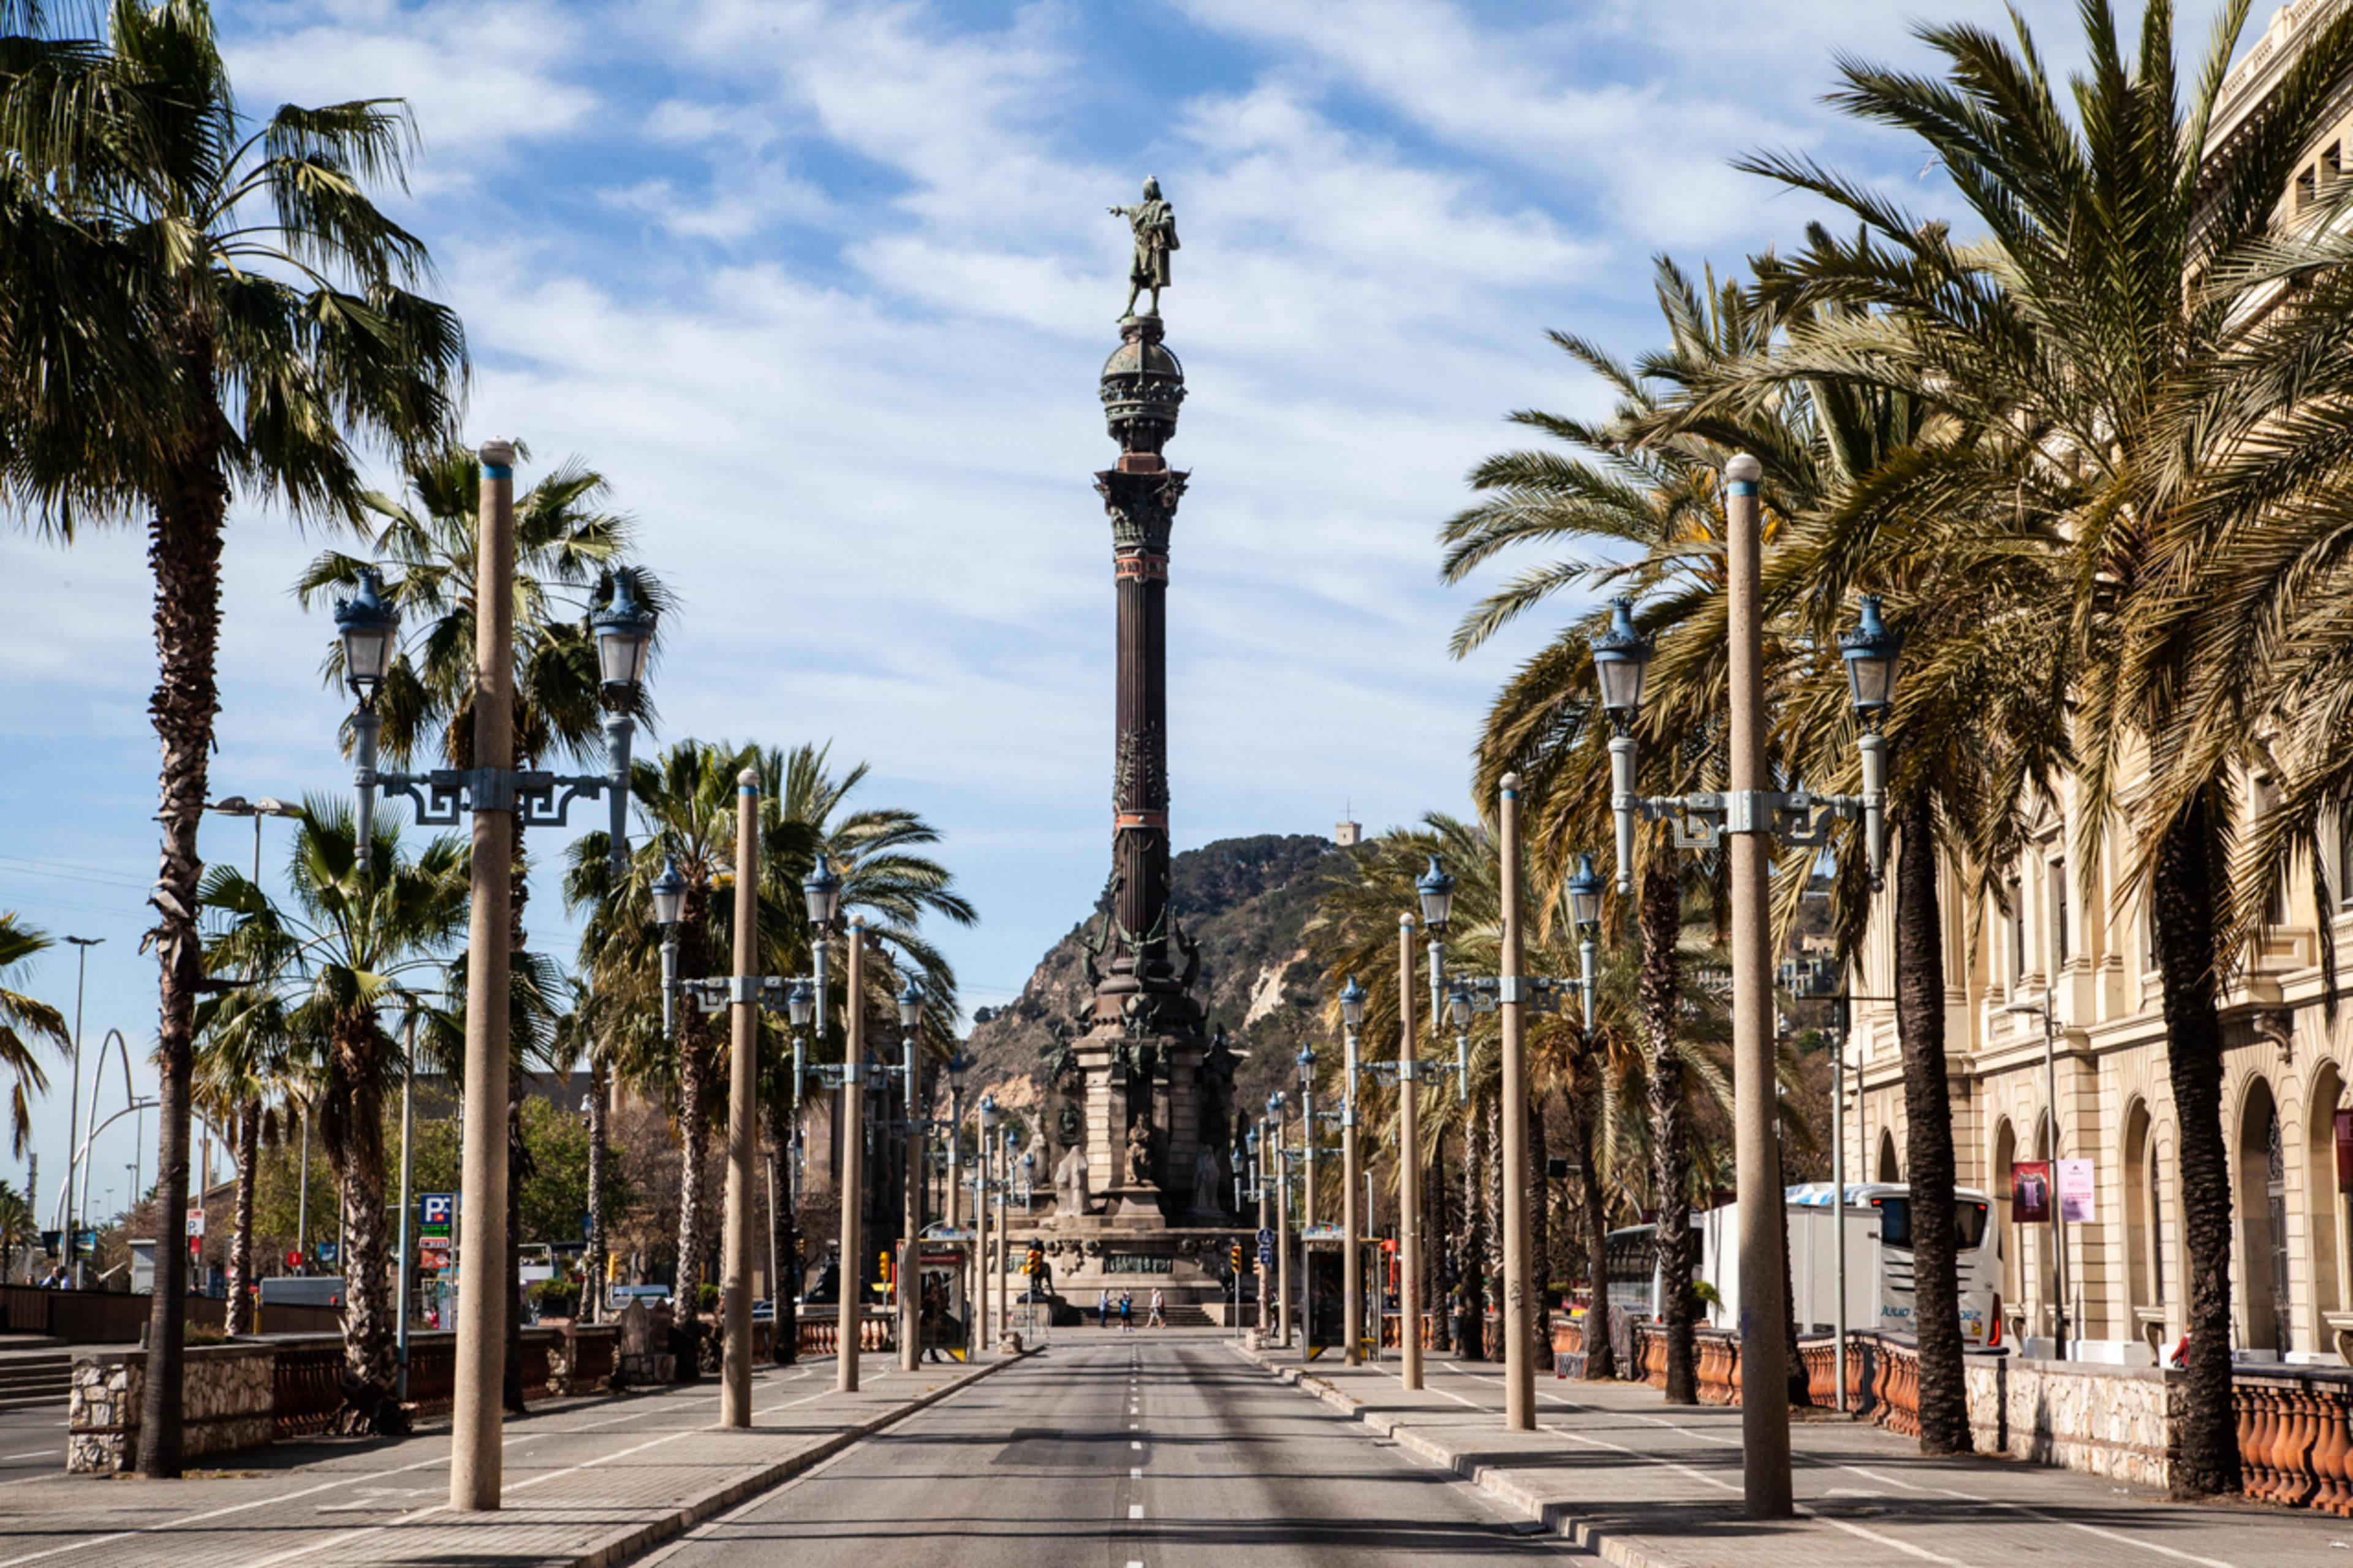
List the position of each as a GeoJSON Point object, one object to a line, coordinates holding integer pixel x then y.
{"type": "Point", "coordinates": [32, 1441]}
{"type": "Point", "coordinates": [1164, 1450]}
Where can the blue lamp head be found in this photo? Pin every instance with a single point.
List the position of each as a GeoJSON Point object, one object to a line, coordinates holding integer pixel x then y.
{"type": "Point", "coordinates": [1872, 651]}
{"type": "Point", "coordinates": [1437, 890]}
{"type": "Point", "coordinates": [1620, 657]}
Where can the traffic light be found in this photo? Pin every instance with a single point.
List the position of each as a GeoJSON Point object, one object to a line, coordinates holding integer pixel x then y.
{"type": "Point", "coordinates": [1234, 1258]}
{"type": "Point", "coordinates": [1033, 1260]}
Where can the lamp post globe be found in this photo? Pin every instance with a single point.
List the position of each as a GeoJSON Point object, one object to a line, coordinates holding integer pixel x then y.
{"type": "Point", "coordinates": [989, 1113]}
{"type": "Point", "coordinates": [801, 1005]}
{"type": "Point", "coordinates": [669, 894]}
{"type": "Point", "coordinates": [958, 1064]}
{"type": "Point", "coordinates": [1621, 656]}
{"type": "Point", "coordinates": [624, 635]}
{"type": "Point", "coordinates": [369, 629]}
{"type": "Point", "coordinates": [1437, 890]}
{"type": "Point", "coordinates": [1872, 651]}
{"type": "Point", "coordinates": [911, 1006]}
{"type": "Point", "coordinates": [1585, 895]}
{"type": "Point", "coordinates": [821, 890]}
{"type": "Point", "coordinates": [1306, 1067]}
{"type": "Point", "coordinates": [1352, 1005]}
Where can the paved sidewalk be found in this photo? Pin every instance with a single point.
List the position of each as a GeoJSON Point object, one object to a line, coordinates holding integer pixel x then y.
{"type": "Point", "coordinates": [1648, 1485]}
{"type": "Point", "coordinates": [588, 1482]}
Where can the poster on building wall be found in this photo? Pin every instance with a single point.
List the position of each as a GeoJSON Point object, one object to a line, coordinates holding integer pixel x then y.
{"type": "Point", "coordinates": [2076, 1192]}
{"type": "Point", "coordinates": [2030, 1192]}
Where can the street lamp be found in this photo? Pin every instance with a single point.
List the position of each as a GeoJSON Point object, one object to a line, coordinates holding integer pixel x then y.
{"type": "Point", "coordinates": [668, 893]}
{"type": "Point", "coordinates": [2058, 1217]}
{"type": "Point", "coordinates": [1277, 1132]}
{"type": "Point", "coordinates": [500, 799]}
{"type": "Point", "coordinates": [370, 631]}
{"type": "Point", "coordinates": [989, 1121]}
{"type": "Point", "coordinates": [1754, 816]}
{"type": "Point", "coordinates": [1352, 1286]}
{"type": "Point", "coordinates": [238, 805]}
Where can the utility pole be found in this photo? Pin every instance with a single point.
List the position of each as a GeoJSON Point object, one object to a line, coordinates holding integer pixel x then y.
{"type": "Point", "coordinates": [1352, 1214]}
{"type": "Point", "coordinates": [1408, 1174]}
{"type": "Point", "coordinates": [1519, 1322]}
{"type": "Point", "coordinates": [82, 944]}
{"type": "Point", "coordinates": [1764, 1368]}
{"type": "Point", "coordinates": [911, 1253]}
{"type": "Point", "coordinates": [475, 1458]}
{"type": "Point", "coordinates": [742, 1115]}
{"type": "Point", "coordinates": [853, 1162]}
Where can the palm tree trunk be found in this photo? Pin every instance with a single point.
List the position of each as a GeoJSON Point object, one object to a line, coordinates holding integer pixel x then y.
{"type": "Point", "coordinates": [1600, 1358]}
{"type": "Point", "coordinates": [1660, 917]}
{"type": "Point", "coordinates": [1470, 1314]}
{"type": "Point", "coordinates": [240, 1241]}
{"type": "Point", "coordinates": [352, 1129]}
{"type": "Point", "coordinates": [517, 1158]}
{"type": "Point", "coordinates": [592, 1285]}
{"type": "Point", "coordinates": [693, 1135]}
{"type": "Point", "coordinates": [1929, 1133]}
{"type": "Point", "coordinates": [784, 1239]}
{"type": "Point", "coordinates": [1491, 1259]}
{"type": "Point", "coordinates": [518, 1169]}
{"type": "Point", "coordinates": [2183, 892]}
{"type": "Point", "coordinates": [1541, 1263]}
{"type": "Point", "coordinates": [183, 554]}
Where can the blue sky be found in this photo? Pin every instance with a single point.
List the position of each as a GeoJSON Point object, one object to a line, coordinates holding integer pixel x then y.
{"type": "Point", "coordinates": [825, 289]}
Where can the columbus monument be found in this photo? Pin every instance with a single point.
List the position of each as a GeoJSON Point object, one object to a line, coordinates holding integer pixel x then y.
{"type": "Point", "coordinates": [1153, 1207]}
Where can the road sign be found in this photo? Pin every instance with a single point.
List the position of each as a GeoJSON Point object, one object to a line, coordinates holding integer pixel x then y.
{"type": "Point", "coordinates": [1319, 1233]}
{"type": "Point", "coordinates": [329, 1251]}
{"type": "Point", "coordinates": [1266, 1249]}
{"type": "Point", "coordinates": [435, 1211]}
{"type": "Point", "coordinates": [195, 1222]}
{"type": "Point", "coordinates": [433, 1252]}
{"type": "Point", "coordinates": [293, 1259]}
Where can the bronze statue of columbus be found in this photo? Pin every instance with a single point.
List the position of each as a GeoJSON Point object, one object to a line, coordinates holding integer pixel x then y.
{"type": "Point", "coordinates": [1155, 223]}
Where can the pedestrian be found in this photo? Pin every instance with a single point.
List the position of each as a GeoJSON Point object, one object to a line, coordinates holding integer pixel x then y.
{"type": "Point", "coordinates": [1126, 1313]}
{"type": "Point", "coordinates": [1155, 1319]}
{"type": "Point", "coordinates": [1102, 1309]}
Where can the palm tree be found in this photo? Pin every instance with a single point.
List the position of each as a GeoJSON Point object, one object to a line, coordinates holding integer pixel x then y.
{"type": "Point", "coordinates": [1639, 506]}
{"type": "Point", "coordinates": [21, 1015]}
{"type": "Point", "coordinates": [245, 1061]}
{"type": "Point", "coordinates": [17, 1228]}
{"type": "Point", "coordinates": [251, 305]}
{"type": "Point", "coordinates": [2133, 364]}
{"type": "Point", "coordinates": [351, 944]}
{"type": "Point", "coordinates": [686, 802]}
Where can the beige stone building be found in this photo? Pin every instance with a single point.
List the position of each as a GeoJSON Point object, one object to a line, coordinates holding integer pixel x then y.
{"type": "Point", "coordinates": [2286, 1071]}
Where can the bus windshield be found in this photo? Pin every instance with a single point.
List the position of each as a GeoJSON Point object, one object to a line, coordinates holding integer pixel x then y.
{"type": "Point", "coordinates": [1895, 1222]}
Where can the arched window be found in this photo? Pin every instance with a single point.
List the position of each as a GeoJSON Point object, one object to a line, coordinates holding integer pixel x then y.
{"type": "Point", "coordinates": [2261, 1197]}
{"type": "Point", "coordinates": [2325, 1200]}
{"type": "Point", "coordinates": [1889, 1171]}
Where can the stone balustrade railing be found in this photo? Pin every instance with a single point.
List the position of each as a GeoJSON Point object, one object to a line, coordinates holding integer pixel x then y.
{"type": "Point", "coordinates": [876, 1331]}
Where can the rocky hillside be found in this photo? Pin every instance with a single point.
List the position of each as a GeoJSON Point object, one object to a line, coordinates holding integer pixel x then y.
{"type": "Point", "coordinates": [1246, 902]}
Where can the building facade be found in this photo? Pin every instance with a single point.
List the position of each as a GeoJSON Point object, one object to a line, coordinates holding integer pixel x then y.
{"type": "Point", "coordinates": [2089, 957]}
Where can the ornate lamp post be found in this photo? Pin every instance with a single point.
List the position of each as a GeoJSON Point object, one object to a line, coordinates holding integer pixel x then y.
{"type": "Point", "coordinates": [1352, 1285]}
{"type": "Point", "coordinates": [980, 1185]}
{"type": "Point", "coordinates": [911, 1307]}
{"type": "Point", "coordinates": [370, 630]}
{"type": "Point", "coordinates": [1278, 1150]}
{"type": "Point", "coordinates": [1753, 815]}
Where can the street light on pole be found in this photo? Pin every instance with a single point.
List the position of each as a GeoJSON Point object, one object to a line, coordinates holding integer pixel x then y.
{"type": "Point", "coordinates": [980, 1226]}
{"type": "Point", "coordinates": [1753, 816]}
{"type": "Point", "coordinates": [1352, 1286]}
{"type": "Point", "coordinates": [493, 794]}
{"type": "Point", "coordinates": [72, 1227]}
{"type": "Point", "coordinates": [2058, 1217]}
{"type": "Point", "coordinates": [911, 1305]}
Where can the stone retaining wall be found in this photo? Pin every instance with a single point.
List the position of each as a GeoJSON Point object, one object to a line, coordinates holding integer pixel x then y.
{"type": "Point", "coordinates": [2103, 1420]}
{"type": "Point", "coordinates": [227, 1403]}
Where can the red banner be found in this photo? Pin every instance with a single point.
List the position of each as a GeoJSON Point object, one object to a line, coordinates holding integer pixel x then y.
{"type": "Point", "coordinates": [2030, 1192]}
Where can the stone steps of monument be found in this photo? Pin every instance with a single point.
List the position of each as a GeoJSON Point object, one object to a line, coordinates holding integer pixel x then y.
{"type": "Point", "coordinates": [1186, 1315]}
{"type": "Point", "coordinates": [35, 1380]}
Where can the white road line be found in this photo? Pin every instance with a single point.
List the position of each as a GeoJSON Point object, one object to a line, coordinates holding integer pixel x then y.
{"type": "Point", "coordinates": [1134, 1445]}
{"type": "Point", "coordinates": [1135, 1510]}
{"type": "Point", "coordinates": [1136, 1472]}
{"type": "Point", "coordinates": [35, 1454]}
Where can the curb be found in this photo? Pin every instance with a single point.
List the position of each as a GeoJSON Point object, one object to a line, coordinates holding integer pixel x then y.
{"type": "Point", "coordinates": [1559, 1518]}
{"type": "Point", "coordinates": [703, 1505]}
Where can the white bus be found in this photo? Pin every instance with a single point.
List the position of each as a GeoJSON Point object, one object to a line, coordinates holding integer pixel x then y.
{"type": "Point", "coordinates": [1878, 1220]}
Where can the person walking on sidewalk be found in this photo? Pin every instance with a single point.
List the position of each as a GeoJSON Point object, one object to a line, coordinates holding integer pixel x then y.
{"type": "Point", "coordinates": [1102, 1309]}
{"type": "Point", "coordinates": [1156, 1318]}
{"type": "Point", "coordinates": [1126, 1313]}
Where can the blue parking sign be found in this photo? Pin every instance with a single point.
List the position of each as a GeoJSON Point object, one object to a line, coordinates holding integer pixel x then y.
{"type": "Point", "coordinates": [434, 1211]}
